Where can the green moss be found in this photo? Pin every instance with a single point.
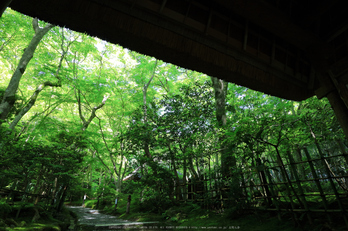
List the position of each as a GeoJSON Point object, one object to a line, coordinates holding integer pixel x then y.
{"type": "Point", "coordinates": [46, 222]}
{"type": "Point", "coordinates": [192, 215]}
{"type": "Point", "coordinates": [37, 226]}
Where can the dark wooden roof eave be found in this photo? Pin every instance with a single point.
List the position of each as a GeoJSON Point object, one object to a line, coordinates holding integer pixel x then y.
{"type": "Point", "coordinates": [140, 35]}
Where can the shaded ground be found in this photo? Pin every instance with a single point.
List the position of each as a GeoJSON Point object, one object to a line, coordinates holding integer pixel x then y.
{"type": "Point", "coordinates": [192, 217]}
{"type": "Point", "coordinates": [89, 219]}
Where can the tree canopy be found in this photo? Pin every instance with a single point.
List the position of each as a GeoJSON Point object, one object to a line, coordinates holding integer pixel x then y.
{"type": "Point", "coordinates": [81, 115]}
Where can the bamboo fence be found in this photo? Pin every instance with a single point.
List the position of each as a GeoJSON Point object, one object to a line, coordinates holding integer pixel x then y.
{"type": "Point", "coordinates": [315, 183]}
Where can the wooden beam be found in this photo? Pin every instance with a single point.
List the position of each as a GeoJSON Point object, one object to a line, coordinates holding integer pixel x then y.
{"type": "Point", "coordinates": [208, 23]}
{"type": "Point", "coordinates": [3, 5]}
{"type": "Point", "coordinates": [338, 31]}
{"type": "Point", "coordinates": [309, 17]}
{"type": "Point", "coordinates": [340, 109]}
{"type": "Point", "coordinates": [340, 86]}
{"type": "Point", "coordinates": [162, 5]}
{"type": "Point", "coordinates": [270, 18]}
{"type": "Point", "coordinates": [148, 32]}
{"type": "Point", "coordinates": [246, 32]}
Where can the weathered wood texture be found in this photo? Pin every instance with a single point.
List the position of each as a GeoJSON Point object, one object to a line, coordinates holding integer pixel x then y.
{"type": "Point", "coordinates": [231, 40]}
{"type": "Point", "coordinates": [290, 49]}
{"type": "Point", "coordinates": [319, 185]}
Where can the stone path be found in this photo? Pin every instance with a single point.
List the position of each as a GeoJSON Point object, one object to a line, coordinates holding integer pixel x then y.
{"type": "Point", "coordinates": [93, 219]}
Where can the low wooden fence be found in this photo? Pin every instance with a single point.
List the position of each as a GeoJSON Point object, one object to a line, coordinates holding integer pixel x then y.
{"type": "Point", "coordinates": [14, 195]}
{"type": "Point", "coordinates": [313, 183]}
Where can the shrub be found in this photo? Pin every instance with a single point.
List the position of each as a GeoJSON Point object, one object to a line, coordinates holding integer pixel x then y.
{"type": "Point", "coordinates": [4, 209]}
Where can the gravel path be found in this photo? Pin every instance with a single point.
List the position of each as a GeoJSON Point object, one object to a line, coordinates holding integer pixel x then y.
{"type": "Point", "coordinates": [93, 219]}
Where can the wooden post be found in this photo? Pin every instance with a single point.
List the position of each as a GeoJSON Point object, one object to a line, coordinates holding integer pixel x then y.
{"type": "Point", "coordinates": [327, 170]}
{"type": "Point", "coordinates": [302, 170]}
{"type": "Point", "coordinates": [193, 189]}
{"type": "Point", "coordinates": [245, 188]}
{"type": "Point", "coordinates": [345, 155]}
{"type": "Point", "coordinates": [245, 42]}
{"type": "Point", "coordinates": [206, 192]}
{"type": "Point", "coordinates": [288, 184]}
{"type": "Point", "coordinates": [316, 180]}
{"type": "Point", "coordinates": [116, 202]}
{"type": "Point", "coordinates": [340, 109]}
{"type": "Point", "coordinates": [260, 168]}
{"type": "Point", "coordinates": [24, 199]}
{"type": "Point", "coordinates": [128, 204]}
{"type": "Point", "coordinates": [302, 196]}
{"type": "Point", "coordinates": [274, 196]}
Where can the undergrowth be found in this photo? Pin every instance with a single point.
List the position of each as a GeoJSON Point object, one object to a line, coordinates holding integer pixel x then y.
{"type": "Point", "coordinates": [192, 215]}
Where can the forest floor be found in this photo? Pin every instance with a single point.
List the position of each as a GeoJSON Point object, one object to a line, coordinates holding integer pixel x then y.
{"type": "Point", "coordinates": [184, 217]}
{"type": "Point", "coordinates": [190, 216]}
{"type": "Point", "coordinates": [46, 221]}
{"type": "Point", "coordinates": [93, 219]}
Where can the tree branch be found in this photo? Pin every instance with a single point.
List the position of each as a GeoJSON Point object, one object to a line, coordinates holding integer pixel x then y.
{"type": "Point", "coordinates": [78, 98]}
{"type": "Point", "coordinates": [31, 102]}
{"type": "Point", "coordinates": [107, 147]}
{"type": "Point", "coordinates": [93, 115]}
{"type": "Point", "coordinates": [7, 41]}
{"type": "Point", "coordinates": [8, 100]}
{"type": "Point", "coordinates": [35, 24]}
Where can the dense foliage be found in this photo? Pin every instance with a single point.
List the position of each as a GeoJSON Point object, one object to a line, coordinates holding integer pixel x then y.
{"type": "Point", "coordinates": [87, 115]}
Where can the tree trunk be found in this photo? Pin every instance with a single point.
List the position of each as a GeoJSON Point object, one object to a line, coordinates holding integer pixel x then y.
{"type": "Point", "coordinates": [191, 167]}
{"type": "Point", "coordinates": [86, 123]}
{"type": "Point", "coordinates": [55, 188]}
{"type": "Point", "coordinates": [24, 197]}
{"type": "Point", "coordinates": [146, 86]}
{"type": "Point", "coordinates": [340, 109]}
{"type": "Point", "coordinates": [31, 102]}
{"type": "Point", "coordinates": [9, 96]}
{"type": "Point", "coordinates": [177, 179]}
{"type": "Point", "coordinates": [184, 179]}
{"type": "Point", "coordinates": [62, 199]}
{"type": "Point", "coordinates": [42, 86]}
{"type": "Point", "coordinates": [37, 185]}
{"type": "Point", "coordinates": [220, 89]}
{"type": "Point", "coordinates": [128, 204]}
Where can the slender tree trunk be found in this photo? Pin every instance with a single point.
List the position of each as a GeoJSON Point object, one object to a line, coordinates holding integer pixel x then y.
{"type": "Point", "coordinates": [340, 109]}
{"type": "Point", "coordinates": [184, 179]}
{"type": "Point", "coordinates": [121, 175]}
{"type": "Point", "coordinates": [31, 103]}
{"type": "Point", "coordinates": [38, 183]}
{"type": "Point", "coordinates": [228, 161]}
{"type": "Point", "coordinates": [55, 187]}
{"type": "Point", "coordinates": [111, 158]}
{"type": "Point", "coordinates": [128, 204]}
{"type": "Point", "coordinates": [146, 86]}
{"type": "Point", "coordinates": [189, 161]}
{"type": "Point", "coordinates": [301, 167]}
{"type": "Point", "coordinates": [192, 168]}
{"type": "Point", "coordinates": [8, 99]}
{"type": "Point", "coordinates": [7, 41]}
{"type": "Point", "coordinates": [177, 180]}
{"type": "Point", "coordinates": [86, 123]}
{"type": "Point", "coordinates": [62, 199]}
{"type": "Point", "coordinates": [24, 197]}
{"type": "Point", "coordinates": [42, 86]}
{"type": "Point", "coordinates": [220, 89]}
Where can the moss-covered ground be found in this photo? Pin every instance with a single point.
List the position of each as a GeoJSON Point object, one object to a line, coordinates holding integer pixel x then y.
{"type": "Point", "coordinates": [181, 215]}
{"type": "Point", "coordinates": [46, 221]}
{"type": "Point", "coordinates": [192, 216]}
